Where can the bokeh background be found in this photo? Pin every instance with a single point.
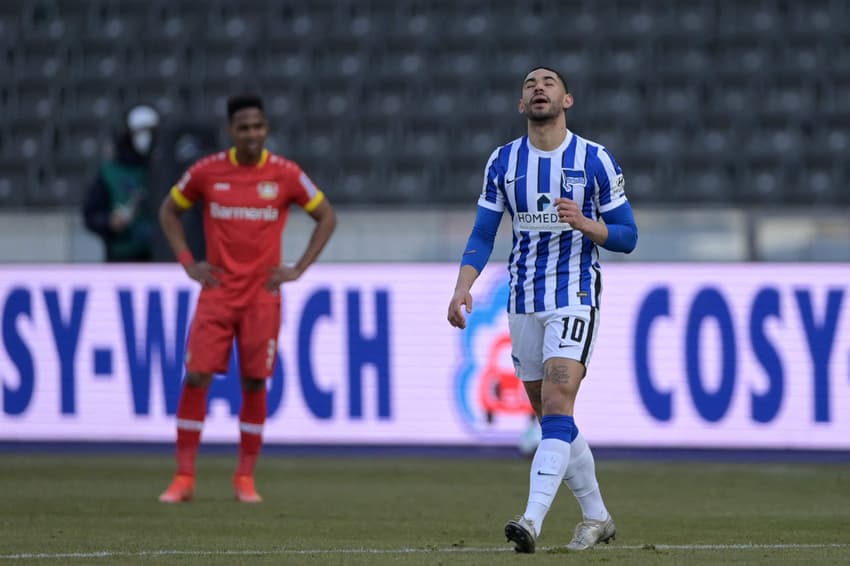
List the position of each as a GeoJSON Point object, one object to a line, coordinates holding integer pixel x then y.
{"type": "Point", "coordinates": [730, 119]}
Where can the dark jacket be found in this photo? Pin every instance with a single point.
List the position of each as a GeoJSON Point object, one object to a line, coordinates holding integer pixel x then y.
{"type": "Point", "coordinates": [122, 182]}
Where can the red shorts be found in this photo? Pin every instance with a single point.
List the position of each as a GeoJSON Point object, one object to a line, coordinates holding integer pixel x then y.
{"type": "Point", "coordinates": [254, 326]}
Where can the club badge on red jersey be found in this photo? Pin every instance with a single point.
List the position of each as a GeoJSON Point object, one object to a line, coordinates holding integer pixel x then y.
{"type": "Point", "coordinates": [267, 190]}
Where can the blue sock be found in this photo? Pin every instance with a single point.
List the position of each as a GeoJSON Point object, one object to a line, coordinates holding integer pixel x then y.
{"type": "Point", "coordinates": [561, 427]}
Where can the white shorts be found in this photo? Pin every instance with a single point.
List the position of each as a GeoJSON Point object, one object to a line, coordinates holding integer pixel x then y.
{"type": "Point", "coordinates": [568, 332]}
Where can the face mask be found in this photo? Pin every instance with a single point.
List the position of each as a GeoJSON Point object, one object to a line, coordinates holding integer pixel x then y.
{"type": "Point", "coordinates": [142, 141]}
{"type": "Point", "coordinates": [141, 121]}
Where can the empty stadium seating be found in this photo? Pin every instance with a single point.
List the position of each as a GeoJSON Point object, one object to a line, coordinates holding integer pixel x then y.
{"type": "Point", "coordinates": [388, 101]}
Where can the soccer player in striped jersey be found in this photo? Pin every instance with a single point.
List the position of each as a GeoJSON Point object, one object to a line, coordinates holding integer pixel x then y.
{"type": "Point", "coordinates": [566, 197]}
{"type": "Point", "coordinates": [246, 194]}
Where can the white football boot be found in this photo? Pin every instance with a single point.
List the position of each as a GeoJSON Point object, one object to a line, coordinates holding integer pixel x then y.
{"type": "Point", "coordinates": [589, 533]}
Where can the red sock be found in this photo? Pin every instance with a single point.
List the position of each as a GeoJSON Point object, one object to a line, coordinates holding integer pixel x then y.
{"type": "Point", "coordinates": [191, 411]}
{"type": "Point", "coordinates": [251, 419]}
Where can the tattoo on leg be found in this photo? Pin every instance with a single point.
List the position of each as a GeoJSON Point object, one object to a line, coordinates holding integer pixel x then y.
{"type": "Point", "coordinates": [558, 374]}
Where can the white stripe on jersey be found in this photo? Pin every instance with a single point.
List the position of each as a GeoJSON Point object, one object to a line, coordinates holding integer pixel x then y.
{"type": "Point", "coordinates": [308, 185]}
{"type": "Point", "coordinates": [551, 265]}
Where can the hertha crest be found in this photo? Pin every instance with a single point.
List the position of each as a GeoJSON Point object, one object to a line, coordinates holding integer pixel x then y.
{"type": "Point", "coordinates": [572, 178]}
{"type": "Point", "coordinates": [267, 190]}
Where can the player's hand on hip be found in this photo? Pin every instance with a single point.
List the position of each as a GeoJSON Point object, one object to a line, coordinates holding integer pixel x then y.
{"type": "Point", "coordinates": [459, 300]}
{"type": "Point", "coordinates": [569, 212]}
{"type": "Point", "coordinates": [203, 273]}
{"type": "Point", "coordinates": [280, 275]}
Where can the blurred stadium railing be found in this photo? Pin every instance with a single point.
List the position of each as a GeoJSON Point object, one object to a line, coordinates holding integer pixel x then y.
{"type": "Point", "coordinates": [734, 112]}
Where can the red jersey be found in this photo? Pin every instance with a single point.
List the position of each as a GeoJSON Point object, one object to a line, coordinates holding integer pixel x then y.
{"type": "Point", "coordinates": [245, 209]}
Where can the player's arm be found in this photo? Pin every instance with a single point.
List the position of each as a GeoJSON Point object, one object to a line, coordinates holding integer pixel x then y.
{"type": "Point", "coordinates": [325, 217]}
{"type": "Point", "coordinates": [622, 232]}
{"type": "Point", "coordinates": [172, 207]}
{"type": "Point", "coordinates": [169, 219]}
{"type": "Point", "coordinates": [475, 257]}
{"type": "Point", "coordinates": [618, 232]}
{"type": "Point", "coordinates": [323, 212]}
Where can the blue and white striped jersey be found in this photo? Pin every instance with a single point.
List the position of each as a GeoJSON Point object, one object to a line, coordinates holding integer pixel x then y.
{"type": "Point", "coordinates": [551, 265]}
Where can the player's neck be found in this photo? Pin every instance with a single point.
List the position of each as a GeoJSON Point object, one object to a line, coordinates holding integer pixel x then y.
{"type": "Point", "coordinates": [547, 136]}
{"type": "Point", "coordinates": [248, 159]}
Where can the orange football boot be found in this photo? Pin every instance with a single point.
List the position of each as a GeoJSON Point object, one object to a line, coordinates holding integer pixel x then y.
{"type": "Point", "coordinates": [243, 488]}
{"type": "Point", "coordinates": [182, 489]}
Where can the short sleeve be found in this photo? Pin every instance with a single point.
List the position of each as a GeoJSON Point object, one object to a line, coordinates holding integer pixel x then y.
{"type": "Point", "coordinates": [492, 197]}
{"type": "Point", "coordinates": [302, 189]}
{"type": "Point", "coordinates": [608, 180]}
{"type": "Point", "coordinates": [190, 187]}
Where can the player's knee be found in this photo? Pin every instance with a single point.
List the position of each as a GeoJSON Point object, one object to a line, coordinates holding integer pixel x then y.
{"type": "Point", "coordinates": [557, 403]}
{"type": "Point", "coordinates": [253, 384]}
{"type": "Point", "coordinates": [197, 379]}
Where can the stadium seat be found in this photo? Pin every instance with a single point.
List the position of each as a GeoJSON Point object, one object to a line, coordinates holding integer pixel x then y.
{"type": "Point", "coordinates": [720, 92]}
{"type": "Point", "coordinates": [424, 138]}
{"type": "Point", "coordinates": [66, 184]}
{"type": "Point", "coordinates": [388, 98]}
{"type": "Point", "coordinates": [283, 101]}
{"type": "Point", "coordinates": [32, 138]}
{"type": "Point", "coordinates": [791, 99]}
{"type": "Point", "coordinates": [41, 20]}
{"type": "Point", "coordinates": [410, 182]}
{"type": "Point", "coordinates": [817, 18]}
{"type": "Point", "coordinates": [728, 103]}
{"type": "Point", "coordinates": [463, 186]}
{"type": "Point", "coordinates": [302, 20]}
{"type": "Point", "coordinates": [34, 99]}
{"type": "Point", "coordinates": [9, 27]}
{"type": "Point", "coordinates": [401, 59]}
{"type": "Point", "coordinates": [752, 20]}
{"type": "Point", "coordinates": [169, 98]}
{"type": "Point", "coordinates": [120, 22]}
{"type": "Point", "coordinates": [340, 61]}
{"type": "Point", "coordinates": [97, 99]}
{"type": "Point", "coordinates": [103, 58]}
{"type": "Point", "coordinates": [700, 181]}
{"type": "Point", "coordinates": [40, 58]}
{"type": "Point", "coordinates": [81, 139]}
{"type": "Point", "coordinates": [645, 182]}
{"type": "Point", "coordinates": [821, 180]}
{"type": "Point", "coordinates": [319, 141]}
{"type": "Point", "coordinates": [164, 59]}
{"type": "Point", "coordinates": [15, 182]}
{"type": "Point", "coordinates": [762, 181]}
{"type": "Point", "coordinates": [832, 137]}
{"type": "Point", "coordinates": [834, 101]}
{"type": "Point", "coordinates": [357, 184]}
{"type": "Point", "coordinates": [238, 23]}
{"type": "Point", "coordinates": [285, 58]}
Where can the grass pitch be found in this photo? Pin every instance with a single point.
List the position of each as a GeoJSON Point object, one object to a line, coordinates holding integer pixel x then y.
{"type": "Point", "coordinates": [84, 509]}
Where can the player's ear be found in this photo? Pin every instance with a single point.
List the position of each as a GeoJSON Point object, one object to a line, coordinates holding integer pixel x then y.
{"type": "Point", "coordinates": [568, 100]}
{"type": "Point", "coordinates": [519, 107]}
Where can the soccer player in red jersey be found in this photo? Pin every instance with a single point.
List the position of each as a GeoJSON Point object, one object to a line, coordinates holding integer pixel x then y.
{"type": "Point", "coordinates": [246, 193]}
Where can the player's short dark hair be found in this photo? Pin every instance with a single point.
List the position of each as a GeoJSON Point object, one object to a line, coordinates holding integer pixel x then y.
{"type": "Point", "coordinates": [241, 101]}
{"type": "Point", "coordinates": [556, 71]}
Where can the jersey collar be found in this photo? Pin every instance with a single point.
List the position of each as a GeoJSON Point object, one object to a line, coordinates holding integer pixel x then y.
{"type": "Point", "coordinates": [557, 151]}
{"type": "Point", "coordinates": [231, 155]}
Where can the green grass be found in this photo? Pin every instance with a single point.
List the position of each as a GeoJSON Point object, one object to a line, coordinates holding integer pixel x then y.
{"type": "Point", "coordinates": [390, 510]}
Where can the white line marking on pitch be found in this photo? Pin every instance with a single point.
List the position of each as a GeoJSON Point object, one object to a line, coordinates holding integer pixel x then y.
{"type": "Point", "coordinates": [448, 550]}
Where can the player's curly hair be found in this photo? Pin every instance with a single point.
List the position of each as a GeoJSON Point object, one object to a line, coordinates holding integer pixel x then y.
{"type": "Point", "coordinates": [241, 101]}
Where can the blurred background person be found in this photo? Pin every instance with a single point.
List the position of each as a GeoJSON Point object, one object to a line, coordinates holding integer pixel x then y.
{"type": "Point", "coordinates": [117, 206]}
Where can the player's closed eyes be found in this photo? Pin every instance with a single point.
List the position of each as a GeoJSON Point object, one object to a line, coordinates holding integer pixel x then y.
{"type": "Point", "coordinates": [546, 82]}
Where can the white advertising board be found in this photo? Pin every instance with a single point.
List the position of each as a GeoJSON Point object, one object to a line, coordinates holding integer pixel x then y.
{"type": "Point", "coordinates": [687, 355]}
